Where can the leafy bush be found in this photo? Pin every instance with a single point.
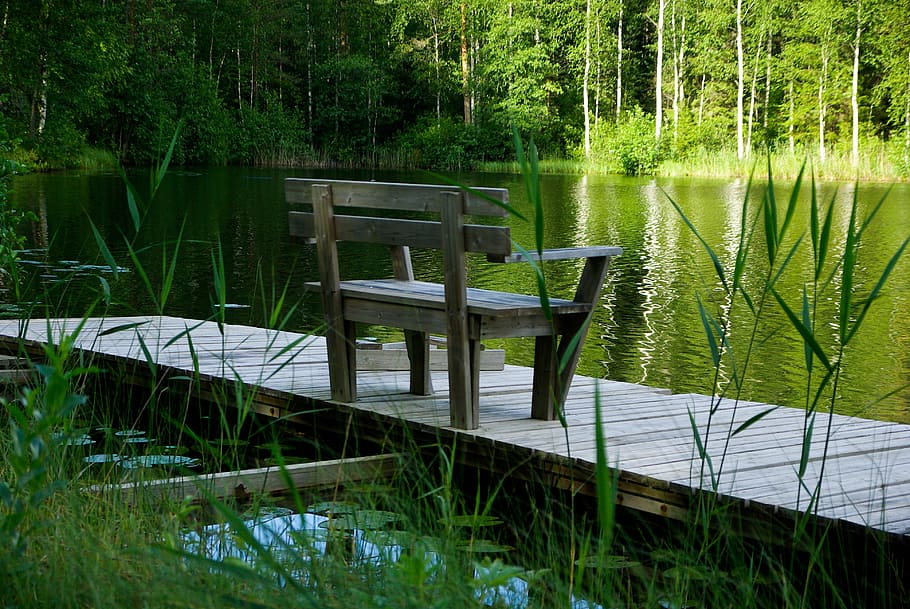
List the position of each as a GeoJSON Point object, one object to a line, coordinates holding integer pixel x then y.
{"type": "Point", "coordinates": [630, 145]}
{"type": "Point", "coordinates": [446, 143]}
{"type": "Point", "coordinates": [271, 135]}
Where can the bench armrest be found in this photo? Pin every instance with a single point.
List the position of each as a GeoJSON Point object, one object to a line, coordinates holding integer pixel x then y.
{"type": "Point", "coordinates": [566, 253]}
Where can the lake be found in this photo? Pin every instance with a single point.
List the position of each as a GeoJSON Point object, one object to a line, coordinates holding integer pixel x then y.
{"type": "Point", "coordinates": [648, 329]}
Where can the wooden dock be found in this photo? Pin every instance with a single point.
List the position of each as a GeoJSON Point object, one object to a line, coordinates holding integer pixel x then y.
{"type": "Point", "coordinates": [649, 437]}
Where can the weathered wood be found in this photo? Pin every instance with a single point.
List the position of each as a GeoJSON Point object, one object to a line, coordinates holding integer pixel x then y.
{"type": "Point", "coordinates": [648, 432]}
{"type": "Point", "coordinates": [343, 374]}
{"type": "Point", "coordinates": [266, 480]}
{"type": "Point", "coordinates": [494, 241]}
{"type": "Point", "coordinates": [464, 412]}
{"type": "Point", "coordinates": [417, 342]}
{"type": "Point", "coordinates": [566, 253]}
{"type": "Point", "coordinates": [397, 359]}
{"type": "Point", "coordinates": [401, 197]}
{"type": "Point", "coordinates": [466, 315]}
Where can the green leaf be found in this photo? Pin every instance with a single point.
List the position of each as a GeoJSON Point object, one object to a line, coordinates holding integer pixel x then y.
{"type": "Point", "coordinates": [162, 168]}
{"type": "Point", "coordinates": [121, 328]}
{"type": "Point", "coordinates": [718, 268]}
{"type": "Point", "coordinates": [132, 200]}
{"type": "Point", "coordinates": [753, 420]}
{"type": "Point", "coordinates": [709, 324]}
{"type": "Point", "coordinates": [879, 285]}
{"type": "Point", "coordinates": [804, 331]}
{"type": "Point", "coordinates": [103, 248]}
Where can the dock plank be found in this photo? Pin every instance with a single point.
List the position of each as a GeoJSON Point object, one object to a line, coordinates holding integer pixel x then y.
{"type": "Point", "coordinates": [648, 431]}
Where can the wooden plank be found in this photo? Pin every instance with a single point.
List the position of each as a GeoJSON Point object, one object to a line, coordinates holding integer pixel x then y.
{"type": "Point", "coordinates": [397, 359]}
{"type": "Point", "coordinates": [494, 241]}
{"type": "Point", "coordinates": [403, 197]}
{"type": "Point", "coordinates": [649, 435]}
{"type": "Point", "coordinates": [566, 253]}
{"type": "Point", "coordinates": [461, 346]}
{"type": "Point", "coordinates": [268, 480]}
{"type": "Point", "coordinates": [340, 332]}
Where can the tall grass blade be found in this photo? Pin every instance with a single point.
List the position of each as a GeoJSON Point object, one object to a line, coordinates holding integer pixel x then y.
{"type": "Point", "coordinates": [804, 330]}
{"type": "Point", "coordinates": [170, 272]}
{"type": "Point", "coordinates": [132, 200]}
{"type": "Point", "coordinates": [824, 239]}
{"type": "Point", "coordinates": [161, 170]}
{"type": "Point", "coordinates": [791, 204]}
{"type": "Point", "coordinates": [718, 267]}
{"type": "Point", "coordinates": [606, 492]}
{"type": "Point", "coordinates": [510, 209]}
{"type": "Point", "coordinates": [703, 455]}
{"type": "Point", "coordinates": [122, 328]}
{"type": "Point", "coordinates": [541, 281]}
{"type": "Point", "coordinates": [153, 366]}
{"type": "Point", "coordinates": [879, 285]}
{"type": "Point", "coordinates": [104, 249]}
{"type": "Point", "coordinates": [753, 420]}
{"type": "Point", "coordinates": [807, 322]}
{"type": "Point", "coordinates": [710, 326]}
{"type": "Point", "coordinates": [848, 267]}
{"type": "Point", "coordinates": [806, 447]}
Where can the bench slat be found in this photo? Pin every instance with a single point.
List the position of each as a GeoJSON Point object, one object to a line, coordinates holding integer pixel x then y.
{"type": "Point", "coordinates": [404, 197]}
{"type": "Point", "coordinates": [494, 241]}
{"type": "Point", "coordinates": [425, 294]}
{"type": "Point", "coordinates": [566, 253]}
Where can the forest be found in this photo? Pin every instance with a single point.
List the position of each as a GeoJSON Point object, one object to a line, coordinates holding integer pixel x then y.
{"type": "Point", "coordinates": [622, 84]}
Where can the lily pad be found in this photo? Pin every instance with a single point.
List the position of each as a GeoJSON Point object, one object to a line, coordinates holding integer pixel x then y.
{"type": "Point", "coordinates": [482, 546]}
{"type": "Point", "coordinates": [325, 508]}
{"type": "Point", "coordinates": [102, 458]}
{"type": "Point", "coordinates": [144, 461]}
{"type": "Point", "coordinates": [366, 520]}
{"type": "Point", "coordinates": [471, 520]}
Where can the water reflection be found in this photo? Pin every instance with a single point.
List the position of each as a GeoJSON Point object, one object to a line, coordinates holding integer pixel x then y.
{"type": "Point", "coordinates": [296, 540]}
{"type": "Point", "coordinates": [646, 330]}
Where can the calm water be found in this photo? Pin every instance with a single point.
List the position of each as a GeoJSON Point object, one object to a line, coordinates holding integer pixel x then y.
{"type": "Point", "coordinates": [647, 330]}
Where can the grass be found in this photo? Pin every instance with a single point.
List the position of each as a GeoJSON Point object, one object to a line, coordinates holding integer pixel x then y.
{"type": "Point", "coordinates": [61, 546]}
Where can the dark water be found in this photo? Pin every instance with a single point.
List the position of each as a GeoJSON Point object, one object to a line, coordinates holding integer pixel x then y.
{"type": "Point", "coordinates": [647, 330]}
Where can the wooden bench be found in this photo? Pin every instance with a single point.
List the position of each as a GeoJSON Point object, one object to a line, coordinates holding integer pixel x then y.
{"type": "Point", "coordinates": [465, 315]}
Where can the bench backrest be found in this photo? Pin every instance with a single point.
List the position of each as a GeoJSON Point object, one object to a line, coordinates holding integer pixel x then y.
{"type": "Point", "coordinates": [330, 199]}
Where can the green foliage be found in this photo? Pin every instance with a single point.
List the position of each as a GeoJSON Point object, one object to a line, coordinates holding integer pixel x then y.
{"type": "Point", "coordinates": [630, 146]}
{"type": "Point", "coordinates": [272, 135]}
{"type": "Point", "coordinates": [447, 143]}
{"type": "Point", "coordinates": [39, 429]}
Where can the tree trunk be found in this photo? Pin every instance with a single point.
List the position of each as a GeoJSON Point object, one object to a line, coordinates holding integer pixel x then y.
{"type": "Point", "coordinates": [619, 65]}
{"type": "Point", "coordinates": [792, 119]}
{"type": "Point", "coordinates": [437, 66]}
{"type": "Point", "coordinates": [740, 85]}
{"type": "Point", "coordinates": [310, 52]}
{"type": "Point", "coordinates": [854, 98]}
{"type": "Point", "coordinates": [468, 119]}
{"type": "Point", "coordinates": [659, 84]}
{"type": "Point", "coordinates": [822, 106]}
{"type": "Point", "coordinates": [767, 104]}
{"type": "Point", "coordinates": [587, 75]}
{"type": "Point", "coordinates": [679, 57]}
{"type": "Point", "coordinates": [752, 95]}
{"type": "Point", "coordinates": [701, 99]}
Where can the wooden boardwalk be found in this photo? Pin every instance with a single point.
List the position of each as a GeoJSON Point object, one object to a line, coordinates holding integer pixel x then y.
{"type": "Point", "coordinates": [648, 431]}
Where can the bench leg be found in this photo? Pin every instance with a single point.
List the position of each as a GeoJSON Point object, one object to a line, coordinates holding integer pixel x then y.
{"type": "Point", "coordinates": [418, 344]}
{"type": "Point", "coordinates": [342, 351]}
{"type": "Point", "coordinates": [464, 383]}
{"type": "Point", "coordinates": [577, 327]}
{"type": "Point", "coordinates": [543, 397]}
